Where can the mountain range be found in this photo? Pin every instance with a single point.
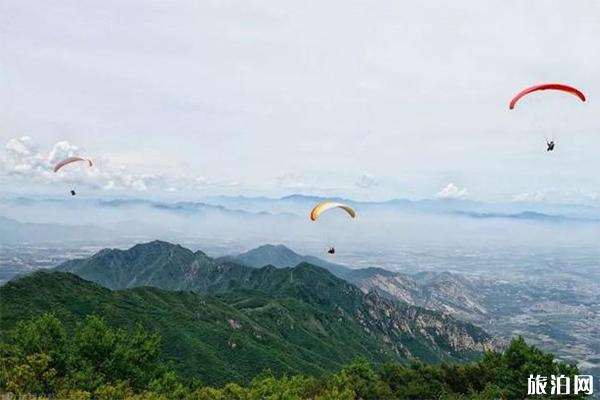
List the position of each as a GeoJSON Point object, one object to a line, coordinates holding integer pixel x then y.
{"type": "Point", "coordinates": [443, 291]}
{"type": "Point", "coordinates": [173, 267]}
{"type": "Point", "coordinates": [518, 210]}
{"type": "Point", "coordinates": [297, 205]}
{"type": "Point", "coordinates": [237, 318]}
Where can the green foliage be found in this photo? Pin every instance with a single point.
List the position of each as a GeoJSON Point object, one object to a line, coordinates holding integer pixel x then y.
{"type": "Point", "coordinates": [101, 363]}
{"type": "Point", "coordinates": [40, 359]}
{"type": "Point", "coordinates": [499, 375]}
{"type": "Point", "coordinates": [360, 379]}
{"type": "Point", "coordinates": [106, 355]}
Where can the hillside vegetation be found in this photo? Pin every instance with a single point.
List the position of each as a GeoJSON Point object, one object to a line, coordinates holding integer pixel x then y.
{"type": "Point", "coordinates": [296, 328]}
{"type": "Point", "coordinates": [40, 357]}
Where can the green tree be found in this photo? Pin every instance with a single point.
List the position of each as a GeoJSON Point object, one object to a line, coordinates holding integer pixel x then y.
{"type": "Point", "coordinates": [39, 356]}
{"type": "Point", "coordinates": [168, 384]}
{"type": "Point", "coordinates": [510, 370]}
{"type": "Point", "coordinates": [285, 388]}
{"type": "Point", "coordinates": [103, 355]}
{"type": "Point", "coordinates": [360, 378]}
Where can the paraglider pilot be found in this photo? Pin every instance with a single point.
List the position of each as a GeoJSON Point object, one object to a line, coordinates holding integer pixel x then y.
{"type": "Point", "coordinates": [73, 193]}
{"type": "Point", "coordinates": [330, 205]}
{"type": "Point", "coordinates": [550, 145]}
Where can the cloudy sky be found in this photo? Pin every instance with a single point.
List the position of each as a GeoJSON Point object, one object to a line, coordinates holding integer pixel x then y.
{"type": "Point", "coordinates": [364, 99]}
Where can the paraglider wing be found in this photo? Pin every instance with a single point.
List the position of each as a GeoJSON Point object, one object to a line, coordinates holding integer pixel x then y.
{"type": "Point", "coordinates": [328, 205]}
{"type": "Point", "coordinates": [546, 86]}
{"type": "Point", "coordinates": [70, 160]}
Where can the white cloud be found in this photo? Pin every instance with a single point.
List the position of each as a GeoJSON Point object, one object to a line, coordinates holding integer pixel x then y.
{"type": "Point", "coordinates": [24, 160]}
{"type": "Point", "coordinates": [19, 146]}
{"type": "Point", "coordinates": [533, 197]}
{"type": "Point", "coordinates": [62, 150]}
{"type": "Point", "coordinates": [451, 191]}
{"type": "Point", "coordinates": [26, 163]}
{"type": "Point", "coordinates": [554, 195]}
{"type": "Point", "coordinates": [367, 181]}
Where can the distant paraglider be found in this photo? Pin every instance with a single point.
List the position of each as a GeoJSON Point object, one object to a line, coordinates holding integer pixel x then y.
{"type": "Point", "coordinates": [71, 160]}
{"type": "Point", "coordinates": [325, 206]}
{"type": "Point", "coordinates": [546, 86]}
{"type": "Point", "coordinates": [329, 205]}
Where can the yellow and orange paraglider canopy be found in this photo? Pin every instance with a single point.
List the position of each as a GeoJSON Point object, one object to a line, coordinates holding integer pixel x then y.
{"type": "Point", "coordinates": [329, 205]}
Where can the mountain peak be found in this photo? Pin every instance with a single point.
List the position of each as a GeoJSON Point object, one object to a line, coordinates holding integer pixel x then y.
{"type": "Point", "coordinates": [159, 247]}
{"type": "Point", "coordinates": [277, 255]}
{"type": "Point", "coordinates": [282, 256]}
{"type": "Point", "coordinates": [139, 265]}
{"type": "Point", "coordinates": [279, 248]}
{"type": "Point", "coordinates": [157, 244]}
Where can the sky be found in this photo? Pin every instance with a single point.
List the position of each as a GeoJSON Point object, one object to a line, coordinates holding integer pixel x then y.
{"type": "Point", "coordinates": [367, 100]}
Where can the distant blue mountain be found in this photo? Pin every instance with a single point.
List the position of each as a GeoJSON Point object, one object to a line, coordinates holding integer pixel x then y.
{"type": "Point", "coordinates": [298, 205]}
{"type": "Point", "coordinates": [182, 207]}
{"type": "Point", "coordinates": [527, 216]}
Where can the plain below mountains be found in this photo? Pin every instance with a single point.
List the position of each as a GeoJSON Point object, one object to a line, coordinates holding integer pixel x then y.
{"type": "Point", "coordinates": [222, 319]}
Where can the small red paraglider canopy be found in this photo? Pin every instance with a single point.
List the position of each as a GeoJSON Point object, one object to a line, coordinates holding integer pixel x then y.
{"type": "Point", "coordinates": [70, 160]}
{"type": "Point", "coordinates": [546, 86]}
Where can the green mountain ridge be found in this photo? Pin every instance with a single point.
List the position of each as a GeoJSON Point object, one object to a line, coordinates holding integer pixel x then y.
{"type": "Point", "coordinates": [172, 267]}
{"type": "Point", "coordinates": [203, 335]}
{"type": "Point", "coordinates": [225, 321]}
{"type": "Point", "coordinates": [442, 291]}
{"type": "Point", "coordinates": [237, 334]}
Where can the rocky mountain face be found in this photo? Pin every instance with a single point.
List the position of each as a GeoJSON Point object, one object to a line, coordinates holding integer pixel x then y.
{"type": "Point", "coordinates": [452, 293]}
{"type": "Point", "coordinates": [399, 329]}
{"type": "Point", "coordinates": [443, 291]}
{"type": "Point", "coordinates": [396, 285]}
{"type": "Point", "coordinates": [446, 292]}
